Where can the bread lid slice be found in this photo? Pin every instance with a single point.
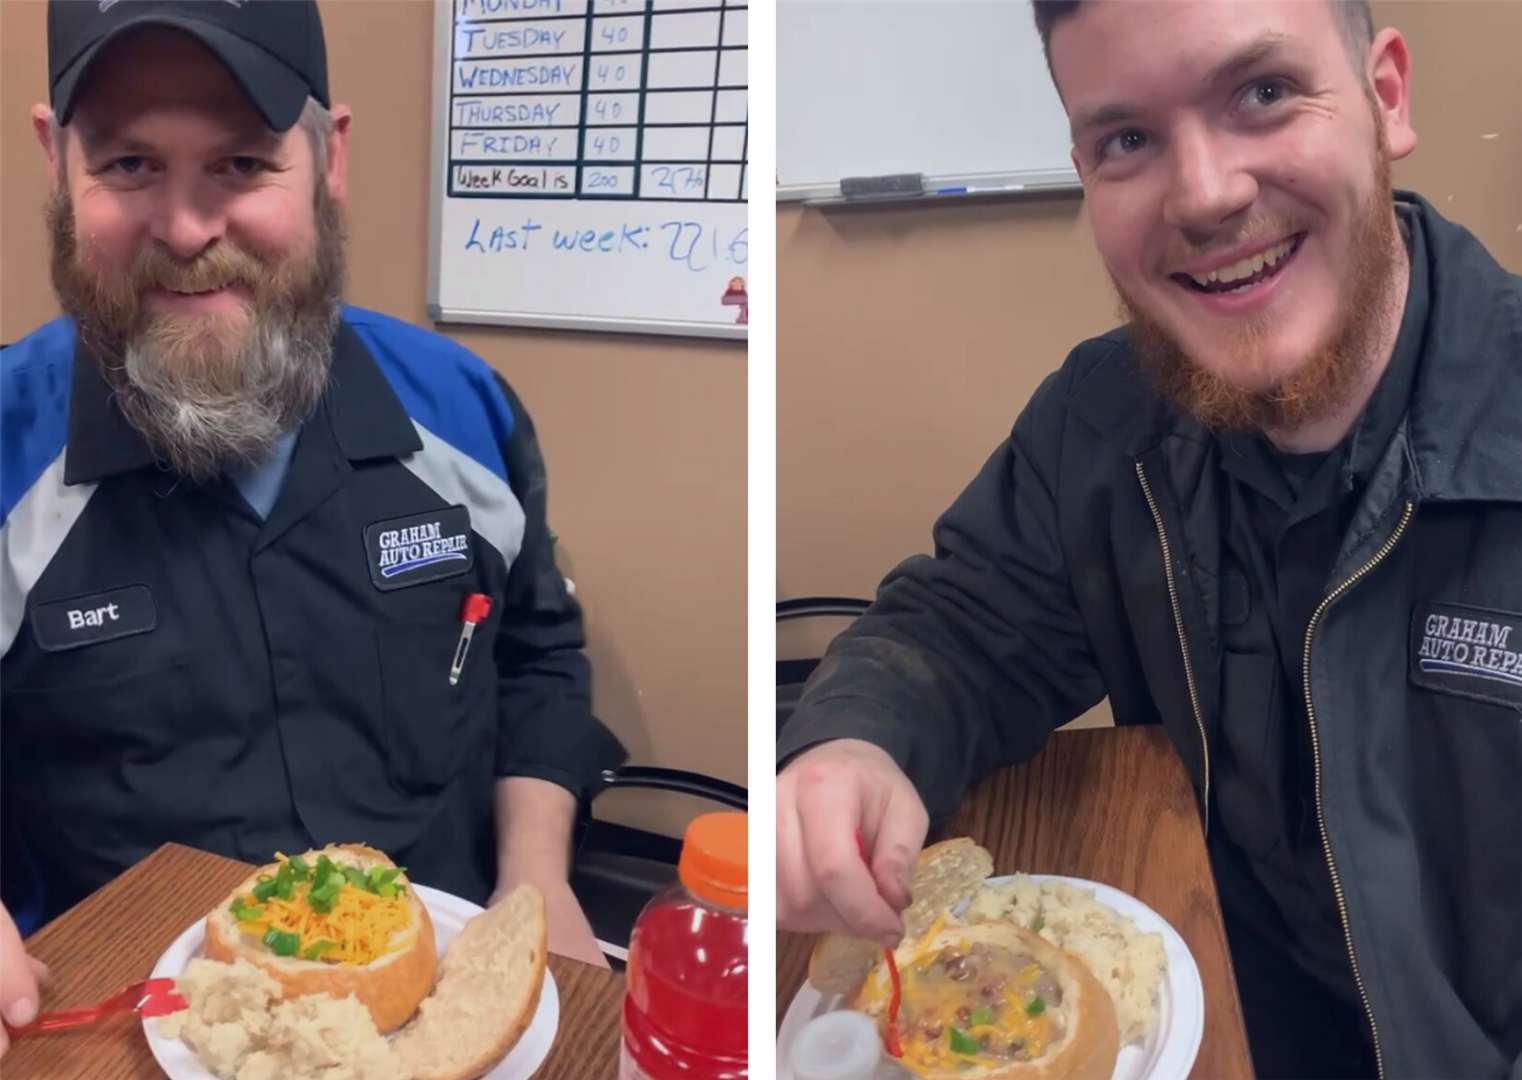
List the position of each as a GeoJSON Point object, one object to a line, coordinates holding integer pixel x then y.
{"type": "Point", "coordinates": [487, 993]}
{"type": "Point", "coordinates": [390, 986]}
{"type": "Point", "coordinates": [945, 874]}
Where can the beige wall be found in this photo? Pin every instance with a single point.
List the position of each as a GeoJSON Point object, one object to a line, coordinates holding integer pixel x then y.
{"type": "Point", "coordinates": [644, 437]}
{"type": "Point", "coordinates": [908, 339]}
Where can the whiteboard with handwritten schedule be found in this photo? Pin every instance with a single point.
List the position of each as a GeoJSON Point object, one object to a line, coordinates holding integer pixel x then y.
{"type": "Point", "coordinates": [590, 165]}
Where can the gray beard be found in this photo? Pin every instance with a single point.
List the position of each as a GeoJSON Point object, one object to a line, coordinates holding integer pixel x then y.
{"type": "Point", "coordinates": [199, 432]}
{"type": "Point", "coordinates": [207, 397]}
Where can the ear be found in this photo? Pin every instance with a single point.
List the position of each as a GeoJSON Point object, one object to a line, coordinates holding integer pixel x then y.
{"type": "Point", "coordinates": [1389, 74]}
{"type": "Point", "coordinates": [42, 127]}
{"type": "Point", "coordinates": [338, 153]}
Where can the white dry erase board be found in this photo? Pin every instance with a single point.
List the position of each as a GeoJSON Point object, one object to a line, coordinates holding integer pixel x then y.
{"type": "Point", "coordinates": [956, 90]}
{"type": "Point", "coordinates": [589, 165]}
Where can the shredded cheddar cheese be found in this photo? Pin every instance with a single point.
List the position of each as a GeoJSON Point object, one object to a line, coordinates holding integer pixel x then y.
{"type": "Point", "coordinates": [932, 1003]}
{"type": "Point", "coordinates": [922, 947]}
{"type": "Point", "coordinates": [361, 925]}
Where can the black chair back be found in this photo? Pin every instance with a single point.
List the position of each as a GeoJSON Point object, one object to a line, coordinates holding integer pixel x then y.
{"type": "Point", "coordinates": [618, 869]}
{"type": "Point", "coordinates": [792, 674]}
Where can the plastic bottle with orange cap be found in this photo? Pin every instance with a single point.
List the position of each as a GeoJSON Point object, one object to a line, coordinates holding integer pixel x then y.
{"type": "Point", "coordinates": [688, 971]}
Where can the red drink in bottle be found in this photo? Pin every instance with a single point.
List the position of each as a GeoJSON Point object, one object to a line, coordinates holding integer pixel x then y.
{"type": "Point", "coordinates": [684, 1011]}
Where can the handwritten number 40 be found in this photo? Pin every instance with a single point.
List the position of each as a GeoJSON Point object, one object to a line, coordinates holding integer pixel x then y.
{"type": "Point", "coordinates": [603, 71]}
{"type": "Point", "coordinates": [615, 35]}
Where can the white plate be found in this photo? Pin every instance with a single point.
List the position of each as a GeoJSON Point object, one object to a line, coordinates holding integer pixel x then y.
{"type": "Point", "coordinates": [449, 915]}
{"type": "Point", "coordinates": [1169, 1050]}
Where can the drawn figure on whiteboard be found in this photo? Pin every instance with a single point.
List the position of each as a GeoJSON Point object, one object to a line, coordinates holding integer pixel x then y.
{"type": "Point", "coordinates": [736, 296]}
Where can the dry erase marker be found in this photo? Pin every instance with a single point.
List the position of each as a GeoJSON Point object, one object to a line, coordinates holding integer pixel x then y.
{"type": "Point", "coordinates": [978, 190]}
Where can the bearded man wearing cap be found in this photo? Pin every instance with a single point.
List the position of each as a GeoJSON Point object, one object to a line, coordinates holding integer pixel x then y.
{"type": "Point", "coordinates": [242, 519]}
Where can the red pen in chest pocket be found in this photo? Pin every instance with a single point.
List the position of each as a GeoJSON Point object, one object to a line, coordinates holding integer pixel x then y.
{"type": "Point", "coordinates": [476, 608]}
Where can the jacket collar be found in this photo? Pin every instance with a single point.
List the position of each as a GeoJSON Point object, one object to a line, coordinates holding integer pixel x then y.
{"type": "Point", "coordinates": [367, 418]}
{"type": "Point", "coordinates": [1120, 403]}
{"type": "Point", "coordinates": [1463, 427]}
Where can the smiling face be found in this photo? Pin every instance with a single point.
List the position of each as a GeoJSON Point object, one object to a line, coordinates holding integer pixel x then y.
{"type": "Point", "coordinates": [1235, 165]}
{"type": "Point", "coordinates": [199, 253]}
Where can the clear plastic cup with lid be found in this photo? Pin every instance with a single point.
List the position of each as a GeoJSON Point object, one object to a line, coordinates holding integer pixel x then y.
{"type": "Point", "coordinates": [843, 1045]}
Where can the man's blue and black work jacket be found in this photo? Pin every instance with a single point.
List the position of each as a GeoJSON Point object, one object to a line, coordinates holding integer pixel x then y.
{"type": "Point", "coordinates": [177, 667]}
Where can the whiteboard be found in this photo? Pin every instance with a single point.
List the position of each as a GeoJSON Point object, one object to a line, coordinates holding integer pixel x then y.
{"type": "Point", "coordinates": [590, 165]}
{"type": "Point", "coordinates": [956, 90]}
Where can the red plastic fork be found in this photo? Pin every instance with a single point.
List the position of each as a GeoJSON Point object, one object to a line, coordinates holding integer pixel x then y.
{"type": "Point", "coordinates": [890, 1032]}
{"type": "Point", "coordinates": [150, 997]}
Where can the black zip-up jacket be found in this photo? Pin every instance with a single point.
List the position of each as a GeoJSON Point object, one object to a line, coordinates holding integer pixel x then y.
{"type": "Point", "coordinates": [1083, 561]}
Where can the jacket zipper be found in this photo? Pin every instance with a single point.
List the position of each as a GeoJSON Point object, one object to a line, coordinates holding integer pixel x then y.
{"type": "Point", "coordinates": [1310, 712]}
{"type": "Point", "coordinates": [1178, 622]}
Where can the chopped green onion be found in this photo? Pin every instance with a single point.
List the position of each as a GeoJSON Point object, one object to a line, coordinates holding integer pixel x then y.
{"type": "Point", "coordinates": [981, 1016]}
{"type": "Point", "coordinates": [962, 1043]}
{"type": "Point", "coordinates": [280, 942]}
{"type": "Point", "coordinates": [264, 890]}
{"type": "Point", "coordinates": [388, 889]}
{"type": "Point", "coordinates": [356, 877]}
{"type": "Point", "coordinates": [244, 912]}
{"type": "Point", "coordinates": [285, 881]}
{"type": "Point", "coordinates": [300, 867]}
{"type": "Point", "coordinates": [323, 899]}
{"type": "Point", "coordinates": [317, 949]}
{"type": "Point", "coordinates": [1038, 924]}
{"type": "Point", "coordinates": [1036, 1006]}
{"type": "Point", "coordinates": [325, 870]}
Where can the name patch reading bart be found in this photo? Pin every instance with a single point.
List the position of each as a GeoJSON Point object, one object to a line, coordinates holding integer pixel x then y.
{"type": "Point", "coordinates": [424, 547]}
{"type": "Point", "coordinates": [1468, 652]}
{"type": "Point", "coordinates": [88, 620]}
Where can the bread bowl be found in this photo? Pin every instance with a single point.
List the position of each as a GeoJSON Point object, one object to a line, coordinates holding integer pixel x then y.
{"type": "Point", "coordinates": [243, 1021]}
{"type": "Point", "coordinates": [342, 920]}
{"type": "Point", "coordinates": [994, 1001]}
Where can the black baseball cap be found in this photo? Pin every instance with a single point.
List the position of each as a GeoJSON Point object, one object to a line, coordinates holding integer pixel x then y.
{"type": "Point", "coordinates": [274, 48]}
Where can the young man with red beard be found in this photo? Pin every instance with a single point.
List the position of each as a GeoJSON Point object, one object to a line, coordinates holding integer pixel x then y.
{"type": "Point", "coordinates": [1279, 512]}
{"type": "Point", "coordinates": [241, 519]}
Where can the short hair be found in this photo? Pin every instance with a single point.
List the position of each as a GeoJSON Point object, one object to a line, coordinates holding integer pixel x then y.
{"type": "Point", "coordinates": [1355, 23]}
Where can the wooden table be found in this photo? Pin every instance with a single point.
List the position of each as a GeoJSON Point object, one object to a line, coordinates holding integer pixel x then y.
{"type": "Point", "coordinates": [1111, 805]}
{"type": "Point", "coordinates": [116, 936]}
